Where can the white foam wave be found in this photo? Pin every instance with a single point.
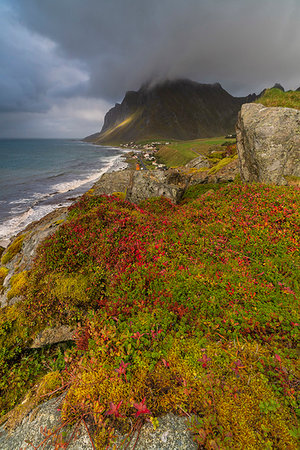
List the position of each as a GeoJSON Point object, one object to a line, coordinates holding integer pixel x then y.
{"type": "Point", "coordinates": [17, 223]}
{"type": "Point", "coordinates": [20, 220]}
{"type": "Point", "coordinates": [75, 184]}
{"type": "Point", "coordinates": [19, 201]}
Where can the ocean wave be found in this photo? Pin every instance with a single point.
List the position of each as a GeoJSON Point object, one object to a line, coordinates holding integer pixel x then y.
{"type": "Point", "coordinates": [17, 223]}
{"type": "Point", "coordinates": [19, 218]}
{"type": "Point", "coordinates": [110, 164]}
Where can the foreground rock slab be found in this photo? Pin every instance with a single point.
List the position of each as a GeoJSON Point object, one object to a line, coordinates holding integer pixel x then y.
{"type": "Point", "coordinates": [172, 433]}
{"type": "Point", "coordinates": [268, 144]}
{"type": "Point", "coordinates": [28, 434]}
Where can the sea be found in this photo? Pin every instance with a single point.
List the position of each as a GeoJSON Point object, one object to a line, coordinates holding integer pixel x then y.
{"type": "Point", "coordinates": [40, 175]}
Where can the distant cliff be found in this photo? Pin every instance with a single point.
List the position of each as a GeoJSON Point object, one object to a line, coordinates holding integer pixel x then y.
{"type": "Point", "coordinates": [180, 109]}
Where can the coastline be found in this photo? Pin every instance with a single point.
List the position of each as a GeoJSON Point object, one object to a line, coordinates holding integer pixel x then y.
{"type": "Point", "coordinates": [20, 222]}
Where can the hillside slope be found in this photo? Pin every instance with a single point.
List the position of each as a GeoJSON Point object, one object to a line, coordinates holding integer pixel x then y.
{"type": "Point", "coordinates": [180, 109]}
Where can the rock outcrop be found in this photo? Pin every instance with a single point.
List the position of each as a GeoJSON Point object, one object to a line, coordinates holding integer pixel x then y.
{"type": "Point", "coordinates": [172, 432]}
{"type": "Point", "coordinates": [179, 109]}
{"type": "Point", "coordinates": [268, 144]}
{"type": "Point", "coordinates": [139, 185]}
{"type": "Point", "coordinates": [28, 434]}
{"type": "Point", "coordinates": [198, 163]}
{"type": "Point", "coordinates": [54, 335]}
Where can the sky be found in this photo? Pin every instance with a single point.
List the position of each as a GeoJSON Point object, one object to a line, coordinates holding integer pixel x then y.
{"type": "Point", "coordinates": [64, 63]}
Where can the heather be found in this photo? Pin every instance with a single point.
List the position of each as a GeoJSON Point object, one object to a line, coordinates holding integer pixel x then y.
{"type": "Point", "coordinates": [189, 308]}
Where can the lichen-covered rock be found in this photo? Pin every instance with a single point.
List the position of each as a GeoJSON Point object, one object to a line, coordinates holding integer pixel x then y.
{"type": "Point", "coordinates": [111, 182]}
{"type": "Point", "coordinates": [268, 143]}
{"type": "Point", "coordinates": [51, 336]}
{"type": "Point", "coordinates": [171, 434]}
{"type": "Point", "coordinates": [45, 417]}
{"type": "Point", "coordinates": [139, 185]}
{"type": "Point", "coordinates": [156, 183]}
{"type": "Point", "coordinates": [225, 173]}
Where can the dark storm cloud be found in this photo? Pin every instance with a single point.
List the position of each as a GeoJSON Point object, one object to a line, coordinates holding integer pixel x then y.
{"type": "Point", "coordinates": [32, 72]}
{"type": "Point", "coordinates": [58, 53]}
{"type": "Point", "coordinates": [244, 44]}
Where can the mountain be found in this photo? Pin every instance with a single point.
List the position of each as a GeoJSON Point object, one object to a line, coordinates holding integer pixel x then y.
{"type": "Point", "coordinates": [180, 109]}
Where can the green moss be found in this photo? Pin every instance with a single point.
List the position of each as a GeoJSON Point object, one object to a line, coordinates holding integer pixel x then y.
{"type": "Point", "coordinates": [275, 97]}
{"type": "Point", "coordinates": [49, 383]}
{"type": "Point", "coordinates": [197, 190]}
{"type": "Point", "coordinates": [3, 273]}
{"type": "Point", "coordinates": [221, 164]}
{"type": "Point", "coordinates": [58, 222]}
{"type": "Point", "coordinates": [71, 288]}
{"type": "Point", "coordinates": [13, 249]}
{"type": "Point", "coordinates": [18, 284]}
{"type": "Point", "coordinates": [120, 195]}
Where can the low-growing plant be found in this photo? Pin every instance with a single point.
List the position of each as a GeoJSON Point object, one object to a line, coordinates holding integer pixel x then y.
{"type": "Point", "coordinates": [12, 250]}
{"type": "Point", "coordinates": [18, 284]}
{"type": "Point", "coordinates": [3, 274]}
{"type": "Point", "coordinates": [190, 309]}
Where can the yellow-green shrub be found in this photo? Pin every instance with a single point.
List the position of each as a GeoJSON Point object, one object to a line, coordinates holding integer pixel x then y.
{"type": "Point", "coordinates": [18, 283]}
{"type": "Point", "coordinates": [49, 383]}
{"type": "Point", "coordinates": [120, 195]}
{"type": "Point", "coordinates": [13, 249]}
{"type": "Point", "coordinates": [3, 273]}
{"type": "Point", "coordinates": [71, 288]}
{"type": "Point", "coordinates": [223, 162]}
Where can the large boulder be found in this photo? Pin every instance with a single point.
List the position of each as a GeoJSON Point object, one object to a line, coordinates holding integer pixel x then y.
{"type": "Point", "coordinates": [36, 423]}
{"type": "Point", "coordinates": [268, 143]}
{"type": "Point", "coordinates": [139, 185]}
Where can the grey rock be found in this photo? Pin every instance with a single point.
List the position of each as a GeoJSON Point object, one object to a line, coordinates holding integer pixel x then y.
{"type": "Point", "coordinates": [268, 143]}
{"type": "Point", "coordinates": [111, 182]}
{"type": "Point", "coordinates": [30, 430]}
{"type": "Point", "coordinates": [198, 163]}
{"type": "Point", "coordinates": [53, 336]}
{"type": "Point", "coordinates": [140, 185]}
{"type": "Point", "coordinates": [171, 434]}
{"type": "Point", "coordinates": [156, 183]}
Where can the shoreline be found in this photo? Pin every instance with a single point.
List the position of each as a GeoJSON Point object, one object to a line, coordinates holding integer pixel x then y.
{"type": "Point", "coordinates": [22, 220]}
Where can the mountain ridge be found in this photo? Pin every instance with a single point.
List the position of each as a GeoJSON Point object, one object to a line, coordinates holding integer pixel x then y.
{"type": "Point", "coordinates": [179, 109]}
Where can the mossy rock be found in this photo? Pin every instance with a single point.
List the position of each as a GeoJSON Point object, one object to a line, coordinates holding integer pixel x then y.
{"type": "Point", "coordinates": [223, 162]}
{"type": "Point", "coordinates": [18, 284]}
{"type": "Point", "coordinates": [13, 249]}
{"type": "Point", "coordinates": [3, 274]}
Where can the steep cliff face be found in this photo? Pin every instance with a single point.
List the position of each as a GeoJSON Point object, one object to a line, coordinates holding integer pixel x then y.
{"type": "Point", "coordinates": [179, 109]}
